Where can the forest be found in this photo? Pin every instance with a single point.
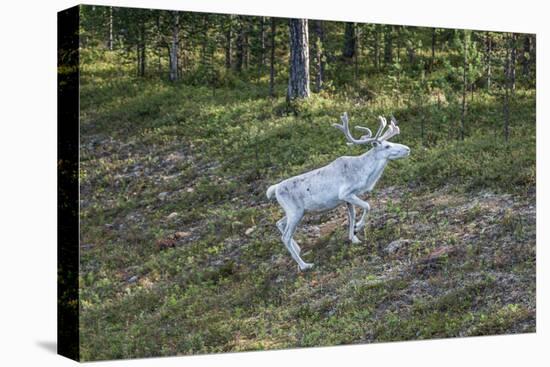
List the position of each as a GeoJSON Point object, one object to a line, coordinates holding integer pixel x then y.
{"type": "Point", "coordinates": [187, 118]}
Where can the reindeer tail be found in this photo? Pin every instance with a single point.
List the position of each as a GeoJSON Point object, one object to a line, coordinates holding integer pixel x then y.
{"type": "Point", "coordinates": [271, 191]}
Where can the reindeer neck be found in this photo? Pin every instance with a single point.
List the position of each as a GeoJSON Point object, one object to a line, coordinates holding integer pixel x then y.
{"type": "Point", "coordinates": [372, 167]}
{"type": "Point", "coordinates": [370, 159]}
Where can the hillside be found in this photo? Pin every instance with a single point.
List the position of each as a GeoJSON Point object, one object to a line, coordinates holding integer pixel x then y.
{"type": "Point", "coordinates": [179, 249]}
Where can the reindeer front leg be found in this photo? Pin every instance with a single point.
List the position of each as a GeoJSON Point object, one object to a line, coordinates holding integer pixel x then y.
{"type": "Point", "coordinates": [351, 200]}
{"type": "Point", "coordinates": [361, 224]}
{"type": "Point", "coordinates": [351, 221]}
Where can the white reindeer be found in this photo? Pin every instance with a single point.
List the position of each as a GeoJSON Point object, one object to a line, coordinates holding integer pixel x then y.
{"type": "Point", "coordinates": [341, 181]}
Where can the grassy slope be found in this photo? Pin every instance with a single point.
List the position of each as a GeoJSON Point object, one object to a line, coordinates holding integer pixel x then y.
{"type": "Point", "coordinates": [157, 283]}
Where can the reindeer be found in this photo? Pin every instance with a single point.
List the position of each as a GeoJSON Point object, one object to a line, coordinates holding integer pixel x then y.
{"type": "Point", "coordinates": [341, 181]}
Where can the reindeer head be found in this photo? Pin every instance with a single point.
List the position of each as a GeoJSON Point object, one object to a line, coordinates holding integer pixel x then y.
{"type": "Point", "coordinates": [382, 148]}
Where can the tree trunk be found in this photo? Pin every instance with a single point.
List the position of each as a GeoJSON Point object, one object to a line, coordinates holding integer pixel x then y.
{"type": "Point", "coordinates": [240, 52]}
{"type": "Point", "coordinates": [533, 51]}
{"type": "Point", "coordinates": [432, 59]}
{"type": "Point", "coordinates": [388, 45]}
{"type": "Point", "coordinates": [356, 51]}
{"type": "Point", "coordinates": [411, 50]}
{"type": "Point", "coordinates": [262, 44]}
{"type": "Point", "coordinates": [272, 58]}
{"type": "Point", "coordinates": [246, 43]}
{"type": "Point", "coordinates": [513, 57]}
{"type": "Point", "coordinates": [142, 57]}
{"type": "Point", "coordinates": [175, 47]}
{"type": "Point", "coordinates": [376, 47]}
{"type": "Point", "coordinates": [110, 40]}
{"type": "Point", "coordinates": [183, 57]}
{"type": "Point", "coordinates": [319, 55]}
{"type": "Point", "coordinates": [158, 46]}
{"type": "Point", "coordinates": [464, 85]}
{"type": "Point", "coordinates": [525, 67]}
{"type": "Point", "coordinates": [398, 44]}
{"type": "Point", "coordinates": [228, 43]}
{"type": "Point", "coordinates": [204, 43]}
{"type": "Point", "coordinates": [349, 41]}
{"type": "Point", "coordinates": [298, 83]}
{"type": "Point", "coordinates": [138, 59]}
{"type": "Point", "coordinates": [422, 124]}
{"type": "Point", "coordinates": [488, 50]}
{"type": "Point", "coordinates": [507, 72]}
{"type": "Point", "coordinates": [143, 49]}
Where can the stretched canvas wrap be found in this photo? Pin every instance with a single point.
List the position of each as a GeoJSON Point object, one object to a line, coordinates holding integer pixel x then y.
{"type": "Point", "coordinates": [233, 183]}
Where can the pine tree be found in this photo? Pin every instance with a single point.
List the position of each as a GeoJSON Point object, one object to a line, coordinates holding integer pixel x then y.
{"type": "Point", "coordinates": [319, 55]}
{"type": "Point", "coordinates": [298, 83]}
{"type": "Point", "coordinates": [348, 50]}
{"type": "Point", "coordinates": [272, 57]}
{"type": "Point", "coordinates": [174, 47]}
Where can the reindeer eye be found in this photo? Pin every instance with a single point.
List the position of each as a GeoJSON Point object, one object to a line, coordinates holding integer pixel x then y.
{"type": "Point", "coordinates": [387, 147]}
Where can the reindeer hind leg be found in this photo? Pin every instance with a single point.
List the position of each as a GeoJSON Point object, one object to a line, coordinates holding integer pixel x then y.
{"type": "Point", "coordinates": [281, 225]}
{"type": "Point", "coordinates": [294, 213]}
{"type": "Point", "coordinates": [292, 223]}
{"type": "Point", "coordinates": [351, 222]}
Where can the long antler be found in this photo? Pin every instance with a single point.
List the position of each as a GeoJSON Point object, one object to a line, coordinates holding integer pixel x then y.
{"type": "Point", "coordinates": [345, 129]}
{"type": "Point", "coordinates": [367, 138]}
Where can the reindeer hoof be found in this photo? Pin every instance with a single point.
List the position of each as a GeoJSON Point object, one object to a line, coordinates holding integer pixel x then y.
{"type": "Point", "coordinates": [306, 266]}
{"type": "Point", "coordinates": [355, 240]}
